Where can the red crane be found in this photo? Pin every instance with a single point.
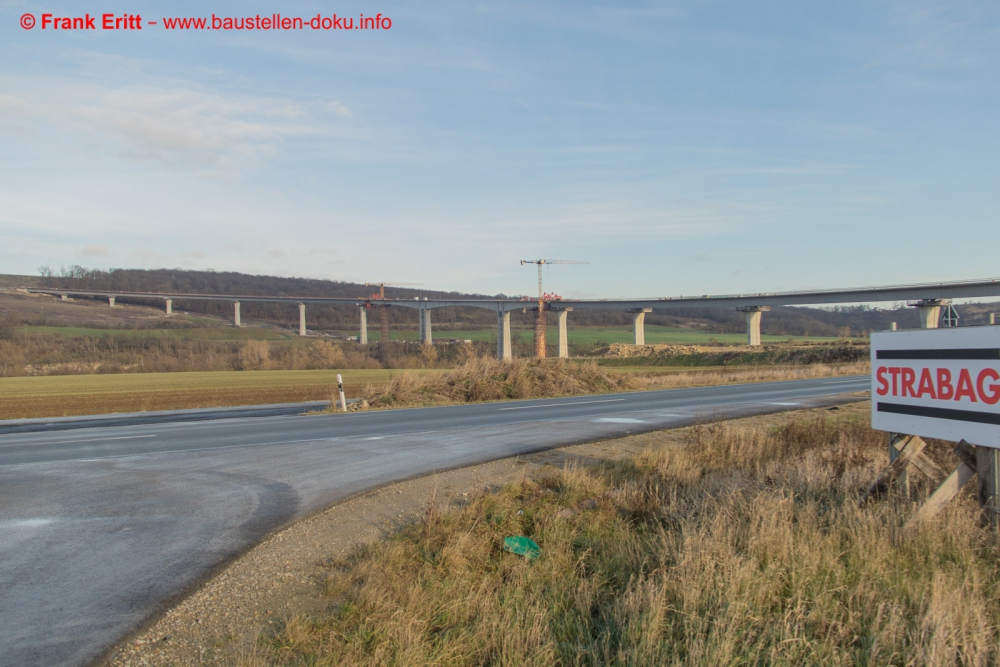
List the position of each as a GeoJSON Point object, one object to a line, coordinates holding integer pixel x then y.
{"type": "Point", "coordinates": [376, 296]}
{"type": "Point", "coordinates": [542, 299]}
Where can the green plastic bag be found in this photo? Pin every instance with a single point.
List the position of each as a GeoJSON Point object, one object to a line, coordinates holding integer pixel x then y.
{"type": "Point", "coordinates": [522, 546]}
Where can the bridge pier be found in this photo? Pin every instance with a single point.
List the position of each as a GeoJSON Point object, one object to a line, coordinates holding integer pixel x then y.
{"type": "Point", "coordinates": [363, 337]}
{"type": "Point", "coordinates": [993, 318]}
{"type": "Point", "coordinates": [236, 314]}
{"type": "Point", "coordinates": [503, 336]}
{"type": "Point", "coordinates": [168, 306]}
{"type": "Point", "coordinates": [639, 324]}
{"type": "Point", "coordinates": [753, 323]}
{"type": "Point", "coordinates": [561, 314]}
{"type": "Point", "coordinates": [111, 301]}
{"type": "Point", "coordinates": [425, 326]}
{"type": "Point", "coordinates": [930, 311]}
{"type": "Point", "coordinates": [64, 297]}
{"type": "Point", "coordinates": [302, 319]}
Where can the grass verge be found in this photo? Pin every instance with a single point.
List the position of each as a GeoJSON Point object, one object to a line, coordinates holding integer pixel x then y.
{"type": "Point", "coordinates": [746, 545]}
{"type": "Point", "coordinates": [484, 379]}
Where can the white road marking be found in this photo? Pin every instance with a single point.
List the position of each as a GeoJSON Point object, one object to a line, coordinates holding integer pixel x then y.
{"type": "Point", "coordinates": [63, 442]}
{"type": "Point", "coordinates": [618, 420]}
{"type": "Point", "coordinates": [777, 403]}
{"type": "Point", "coordinates": [559, 405]}
{"type": "Point", "coordinates": [25, 523]}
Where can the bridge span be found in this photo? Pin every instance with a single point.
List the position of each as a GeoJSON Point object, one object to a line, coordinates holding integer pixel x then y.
{"type": "Point", "coordinates": [929, 298]}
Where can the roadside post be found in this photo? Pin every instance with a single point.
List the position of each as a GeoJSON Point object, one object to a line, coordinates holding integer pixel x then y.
{"type": "Point", "coordinates": [945, 384]}
{"type": "Point", "coordinates": [340, 390]}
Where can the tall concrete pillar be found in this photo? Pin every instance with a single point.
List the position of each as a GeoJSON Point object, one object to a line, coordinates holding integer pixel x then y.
{"type": "Point", "coordinates": [363, 338]}
{"type": "Point", "coordinates": [302, 319]}
{"type": "Point", "coordinates": [930, 311]}
{"type": "Point", "coordinates": [111, 301]}
{"type": "Point", "coordinates": [563, 337]}
{"type": "Point", "coordinates": [169, 306]}
{"type": "Point", "coordinates": [753, 314]}
{"type": "Point", "coordinates": [425, 326]}
{"type": "Point", "coordinates": [503, 336]}
{"type": "Point", "coordinates": [892, 326]}
{"type": "Point", "coordinates": [993, 318]}
{"type": "Point", "coordinates": [929, 316]}
{"type": "Point", "coordinates": [639, 324]}
{"type": "Point", "coordinates": [236, 314]}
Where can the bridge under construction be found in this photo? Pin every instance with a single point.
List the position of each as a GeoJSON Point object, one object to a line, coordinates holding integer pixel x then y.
{"type": "Point", "coordinates": [928, 298]}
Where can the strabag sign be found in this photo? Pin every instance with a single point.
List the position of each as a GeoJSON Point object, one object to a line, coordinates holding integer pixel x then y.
{"type": "Point", "coordinates": [938, 383]}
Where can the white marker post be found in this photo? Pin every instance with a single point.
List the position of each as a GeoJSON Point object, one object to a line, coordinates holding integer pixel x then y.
{"type": "Point", "coordinates": [340, 389]}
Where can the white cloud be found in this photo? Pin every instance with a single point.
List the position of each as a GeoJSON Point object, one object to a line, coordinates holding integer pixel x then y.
{"type": "Point", "coordinates": [219, 133]}
{"type": "Point", "coordinates": [95, 250]}
{"type": "Point", "coordinates": [337, 108]}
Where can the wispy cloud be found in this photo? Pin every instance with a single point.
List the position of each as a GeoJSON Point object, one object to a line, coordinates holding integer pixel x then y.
{"type": "Point", "coordinates": [220, 134]}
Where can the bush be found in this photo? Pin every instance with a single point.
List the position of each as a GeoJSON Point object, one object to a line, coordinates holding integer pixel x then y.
{"type": "Point", "coordinates": [485, 379]}
{"type": "Point", "coordinates": [254, 355]}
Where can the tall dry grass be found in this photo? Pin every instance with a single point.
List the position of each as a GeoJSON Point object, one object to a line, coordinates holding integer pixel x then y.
{"type": "Point", "coordinates": [747, 546]}
{"type": "Point", "coordinates": [486, 379]}
{"type": "Point", "coordinates": [744, 375]}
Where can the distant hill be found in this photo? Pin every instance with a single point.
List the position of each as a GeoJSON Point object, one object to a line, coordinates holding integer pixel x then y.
{"type": "Point", "coordinates": [849, 320]}
{"type": "Point", "coordinates": [12, 281]}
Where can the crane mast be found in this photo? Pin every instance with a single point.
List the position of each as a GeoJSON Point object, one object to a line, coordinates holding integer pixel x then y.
{"type": "Point", "coordinates": [540, 323]}
{"type": "Point", "coordinates": [386, 325]}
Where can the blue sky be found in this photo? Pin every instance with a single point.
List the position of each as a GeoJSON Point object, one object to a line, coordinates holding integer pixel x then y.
{"type": "Point", "coordinates": [681, 148]}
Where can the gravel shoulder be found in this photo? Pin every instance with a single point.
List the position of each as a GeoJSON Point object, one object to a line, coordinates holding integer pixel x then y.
{"type": "Point", "coordinates": [219, 623]}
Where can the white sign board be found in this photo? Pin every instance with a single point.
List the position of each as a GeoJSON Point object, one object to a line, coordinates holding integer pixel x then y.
{"type": "Point", "coordinates": [938, 383]}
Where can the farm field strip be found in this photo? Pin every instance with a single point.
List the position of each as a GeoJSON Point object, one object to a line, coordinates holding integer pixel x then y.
{"type": "Point", "coordinates": [66, 395]}
{"type": "Point", "coordinates": [192, 333]}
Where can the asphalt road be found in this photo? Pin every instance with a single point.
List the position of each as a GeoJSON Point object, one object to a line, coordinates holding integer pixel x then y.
{"type": "Point", "coordinates": [100, 528]}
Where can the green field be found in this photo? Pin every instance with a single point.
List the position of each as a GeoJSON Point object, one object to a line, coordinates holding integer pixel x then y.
{"type": "Point", "coordinates": [591, 335]}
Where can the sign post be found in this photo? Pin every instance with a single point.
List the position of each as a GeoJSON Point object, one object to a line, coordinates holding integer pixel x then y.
{"type": "Point", "coordinates": [943, 383]}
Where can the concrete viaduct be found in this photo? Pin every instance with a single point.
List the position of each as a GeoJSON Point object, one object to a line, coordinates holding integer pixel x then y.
{"type": "Point", "coordinates": [929, 298]}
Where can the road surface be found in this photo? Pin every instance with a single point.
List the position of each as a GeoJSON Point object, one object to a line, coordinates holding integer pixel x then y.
{"type": "Point", "coordinates": [100, 528]}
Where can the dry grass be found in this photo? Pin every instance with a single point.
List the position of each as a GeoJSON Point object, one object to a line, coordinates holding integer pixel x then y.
{"type": "Point", "coordinates": [749, 374]}
{"type": "Point", "coordinates": [747, 546]}
{"type": "Point", "coordinates": [485, 379]}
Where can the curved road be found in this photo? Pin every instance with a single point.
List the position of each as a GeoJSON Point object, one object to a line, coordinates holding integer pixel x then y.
{"type": "Point", "coordinates": [102, 527]}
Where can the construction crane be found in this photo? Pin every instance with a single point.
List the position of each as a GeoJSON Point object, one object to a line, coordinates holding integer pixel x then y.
{"type": "Point", "coordinates": [386, 331]}
{"type": "Point", "coordinates": [540, 320]}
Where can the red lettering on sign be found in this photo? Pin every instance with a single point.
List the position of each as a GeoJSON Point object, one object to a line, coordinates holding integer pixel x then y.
{"type": "Point", "coordinates": [964, 386]}
{"type": "Point", "coordinates": [883, 384]}
{"type": "Point", "coordinates": [944, 389]}
{"type": "Point", "coordinates": [993, 396]}
{"type": "Point", "coordinates": [894, 372]}
{"type": "Point", "coordinates": [926, 384]}
{"type": "Point", "coordinates": [909, 377]}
